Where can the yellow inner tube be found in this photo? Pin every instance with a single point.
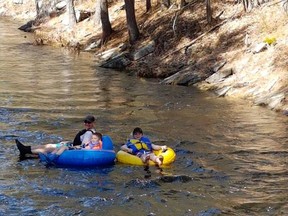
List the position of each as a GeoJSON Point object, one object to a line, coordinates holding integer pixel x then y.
{"type": "Point", "coordinates": [169, 157]}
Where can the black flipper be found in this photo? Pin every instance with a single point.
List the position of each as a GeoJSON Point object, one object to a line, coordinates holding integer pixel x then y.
{"type": "Point", "coordinates": [22, 148]}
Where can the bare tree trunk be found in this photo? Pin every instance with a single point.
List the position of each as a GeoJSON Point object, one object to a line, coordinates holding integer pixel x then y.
{"type": "Point", "coordinates": [37, 3]}
{"type": "Point", "coordinates": [106, 25]}
{"type": "Point", "coordinates": [285, 6]}
{"type": "Point", "coordinates": [97, 19]}
{"type": "Point", "coordinates": [43, 8]}
{"type": "Point", "coordinates": [148, 5]}
{"type": "Point", "coordinates": [71, 13]}
{"type": "Point", "coordinates": [245, 5]}
{"type": "Point", "coordinates": [131, 21]}
{"type": "Point", "coordinates": [208, 11]}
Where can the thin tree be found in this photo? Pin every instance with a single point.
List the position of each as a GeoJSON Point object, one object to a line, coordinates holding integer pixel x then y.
{"type": "Point", "coordinates": [102, 18]}
{"type": "Point", "coordinates": [208, 11]}
{"type": "Point", "coordinates": [43, 8]}
{"type": "Point", "coordinates": [71, 13]}
{"type": "Point", "coordinates": [97, 19]}
{"type": "Point", "coordinates": [245, 5]}
{"type": "Point", "coordinates": [285, 5]}
{"type": "Point", "coordinates": [133, 30]}
{"type": "Point", "coordinates": [37, 3]}
{"type": "Point", "coordinates": [148, 5]}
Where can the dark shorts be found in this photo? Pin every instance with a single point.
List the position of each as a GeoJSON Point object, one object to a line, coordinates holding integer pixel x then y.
{"type": "Point", "coordinates": [142, 154]}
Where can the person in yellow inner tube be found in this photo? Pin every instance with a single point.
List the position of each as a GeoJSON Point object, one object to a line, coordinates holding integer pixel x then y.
{"type": "Point", "coordinates": [142, 147]}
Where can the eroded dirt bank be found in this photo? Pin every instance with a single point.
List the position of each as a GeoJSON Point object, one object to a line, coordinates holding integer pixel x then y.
{"type": "Point", "coordinates": [241, 55]}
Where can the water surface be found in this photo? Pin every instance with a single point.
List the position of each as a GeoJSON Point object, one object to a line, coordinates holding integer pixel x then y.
{"type": "Point", "coordinates": [231, 156]}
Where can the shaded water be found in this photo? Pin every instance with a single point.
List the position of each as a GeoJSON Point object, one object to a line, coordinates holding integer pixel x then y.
{"type": "Point", "coordinates": [231, 157]}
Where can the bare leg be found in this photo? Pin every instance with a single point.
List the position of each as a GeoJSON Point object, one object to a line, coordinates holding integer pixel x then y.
{"type": "Point", "coordinates": [35, 149]}
{"type": "Point", "coordinates": [157, 160]}
{"type": "Point", "coordinates": [60, 150]}
{"type": "Point", "coordinates": [145, 159]}
{"type": "Point", "coordinates": [44, 149]}
{"type": "Point", "coordinates": [51, 157]}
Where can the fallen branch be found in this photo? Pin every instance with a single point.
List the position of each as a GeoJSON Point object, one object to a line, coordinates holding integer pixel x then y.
{"type": "Point", "coordinates": [174, 24]}
{"type": "Point", "coordinates": [202, 35]}
{"type": "Point", "coordinates": [196, 39]}
{"type": "Point", "coordinates": [178, 13]}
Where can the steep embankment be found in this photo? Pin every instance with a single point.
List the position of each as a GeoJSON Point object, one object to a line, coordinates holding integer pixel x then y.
{"type": "Point", "coordinates": [244, 52]}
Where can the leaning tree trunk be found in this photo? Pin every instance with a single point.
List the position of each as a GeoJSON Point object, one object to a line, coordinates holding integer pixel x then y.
{"type": "Point", "coordinates": [71, 13]}
{"type": "Point", "coordinates": [131, 21]}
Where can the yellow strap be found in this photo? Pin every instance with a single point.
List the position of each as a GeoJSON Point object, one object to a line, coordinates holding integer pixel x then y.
{"type": "Point", "coordinates": [139, 145]}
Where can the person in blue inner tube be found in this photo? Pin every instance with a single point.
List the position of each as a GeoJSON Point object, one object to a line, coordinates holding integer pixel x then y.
{"type": "Point", "coordinates": [94, 144]}
{"type": "Point", "coordinates": [142, 147]}
{"type": "Point", "coordinates": [82, 138]}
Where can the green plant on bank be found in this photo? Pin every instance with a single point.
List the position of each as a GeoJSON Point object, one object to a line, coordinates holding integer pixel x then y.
{"type": "Point", "coordinates": [270, 40]}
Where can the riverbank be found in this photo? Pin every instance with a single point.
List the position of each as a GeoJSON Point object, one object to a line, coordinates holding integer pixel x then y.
{"type": "Point", "coordinates": [241, 55]}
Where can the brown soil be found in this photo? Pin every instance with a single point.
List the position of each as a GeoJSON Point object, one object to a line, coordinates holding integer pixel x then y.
{"type": "Point", "coordinates": [184, 39]}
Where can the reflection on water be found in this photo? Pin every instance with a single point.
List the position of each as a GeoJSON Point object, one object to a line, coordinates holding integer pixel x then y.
{"type": "Point", "coordinates": [231, 157]}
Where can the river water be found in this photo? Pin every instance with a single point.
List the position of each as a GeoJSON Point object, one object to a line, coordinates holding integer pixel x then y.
{"type": "Point", "coordinates": [231, 156]}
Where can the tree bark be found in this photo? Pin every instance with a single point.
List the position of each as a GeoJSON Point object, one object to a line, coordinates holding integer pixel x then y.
{"type": "Point", "coordinates": [106, 25]}
{"type": "Point", "coordinates": [148, 5]}
{"type": "Point", "coordinates": [43, 8]}
{"type": "Point", "coordinates": [208, 11]}
{"type": "Point", "coordinates": [71, 13]}
{"type": "Point", "coordinates": [37, 3]}
{"type": "Point", "coordinates": [97, 16]}
{"type": "Point", "coordinates": [131, 21]}
{"type": "Point", "coordinates": [245, 5]}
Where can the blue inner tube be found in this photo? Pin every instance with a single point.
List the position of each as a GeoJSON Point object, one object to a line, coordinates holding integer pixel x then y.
{"type": "Point", "coordinates": [88, 158]}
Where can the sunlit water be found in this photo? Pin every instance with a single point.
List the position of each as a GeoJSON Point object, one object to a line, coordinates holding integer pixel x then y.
{"type": "Point", "coordinates": [231, 157]}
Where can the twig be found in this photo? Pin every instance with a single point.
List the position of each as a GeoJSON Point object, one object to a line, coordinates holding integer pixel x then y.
{"type": "Point", "coordinates": [174, 24]}
{"type": "Point", "coordinates": [202, 35]}
{"type": "Point", "coordinates": [178, 13]}
{"type": "Point", "coordinates": [196, 39]}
